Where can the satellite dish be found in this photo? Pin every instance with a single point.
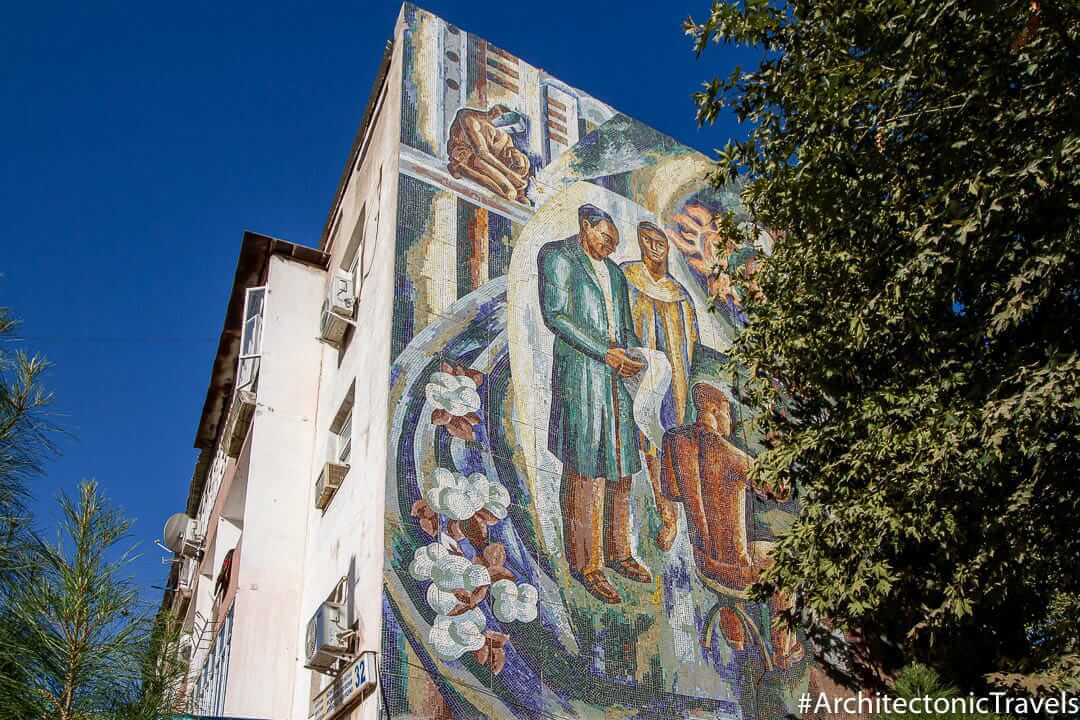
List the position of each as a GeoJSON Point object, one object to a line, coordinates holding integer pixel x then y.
{"type": "Point", "coordinates": [175, 530]}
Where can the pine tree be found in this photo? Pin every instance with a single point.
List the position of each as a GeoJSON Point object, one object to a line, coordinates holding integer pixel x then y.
{"type": "Point", "coordinates": [75, 614]}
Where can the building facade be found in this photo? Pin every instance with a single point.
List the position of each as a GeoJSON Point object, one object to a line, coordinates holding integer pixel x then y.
{"type": "Point", "coordinates": [477, 455]}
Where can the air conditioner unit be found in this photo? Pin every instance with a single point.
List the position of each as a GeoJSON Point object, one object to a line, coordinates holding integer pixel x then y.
{"type": "Point", "coordinates": [240, 414]}
{"type": "Point", "coordinates": [193, 541]}
{"type": "Point", "coordinates": [337, 309]}
{"type": "Point", "coordinates": [182, 535]}
{"type": "Point", "coordinates": [327, 637]}
{"type": "Point", "coordinates": [189, 573]}
{"type": "Point", "coordinates": [329, 481]}
{"type": "Point", "coordinates": [185, 647]}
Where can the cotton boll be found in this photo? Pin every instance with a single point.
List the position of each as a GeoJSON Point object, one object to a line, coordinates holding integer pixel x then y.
{"type": "Point", "coordinates": [497, 500]}
{"type": "Point", "coordinates": [457, 504]}
{"type": "Point", "coordinates": [452, 637]}
{"type": "Point", "coordinates": [440, 601]}
{"type": "Point", "coordinates": [456, 394]}
{"type": "Point", "coordinates": [528, 599]}
{"type": "Point", "coordinates": [425, 559]}
{"type": "Point", "coordinates": [476, 489]}
{"type": "Point", "coordinates": [440, 640]}
{"type": "Point", "coordinates": [468, 629]}
{"type": "Point", "coordinates": [503, 600]}
{"type": "Point", "coordinates": [455, 496]}
{"type": "Point", "coordinates": [512, 602]}
{"type": "Point", "coordinates": [476, 576]}
{"type": "Point", "coordinates": [448, 573]}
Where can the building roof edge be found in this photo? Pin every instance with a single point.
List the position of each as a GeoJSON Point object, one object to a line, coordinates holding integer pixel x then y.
{"type": "Point", "coordinates": [358, 141]}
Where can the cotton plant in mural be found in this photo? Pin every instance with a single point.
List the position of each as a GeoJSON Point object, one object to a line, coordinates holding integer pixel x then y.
{"type": "Point", "coordinates": [458, 587]}
{"type": "Point", "coordinates": [452, 391]}
{"type": "Point", "coordinates": [452, 505]}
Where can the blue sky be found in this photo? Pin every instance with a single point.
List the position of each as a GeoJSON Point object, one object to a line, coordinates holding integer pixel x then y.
{"type": "Point", "coordinates": [141, 139]}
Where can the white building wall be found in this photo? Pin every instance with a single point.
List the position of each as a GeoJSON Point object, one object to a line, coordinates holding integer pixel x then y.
{"type": "Point", "coordinates": [347, 538]}
{"type": "Point", "coordinates": [271, 564]}
{"type": "Point", "coordinates": [291, 554]}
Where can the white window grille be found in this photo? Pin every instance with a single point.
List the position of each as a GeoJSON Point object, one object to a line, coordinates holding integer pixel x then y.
{"type": "Point", "coordinates": [210, 685]}
{"type": "Point", "coordinates": [214, 477]}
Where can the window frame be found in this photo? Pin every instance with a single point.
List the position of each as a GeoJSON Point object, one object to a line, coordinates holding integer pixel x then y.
{"type": "Point", "coordinates": [248, 356]}
{"type": "Point", "coordinates": [343, 440]}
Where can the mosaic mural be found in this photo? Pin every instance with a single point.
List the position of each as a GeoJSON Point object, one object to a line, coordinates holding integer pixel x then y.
{"type": "Point", "coordinates": [570, 529]}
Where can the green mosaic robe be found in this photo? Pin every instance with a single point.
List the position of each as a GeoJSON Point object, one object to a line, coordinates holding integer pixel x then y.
{"type": "Point", "coordinates": [584, 424]}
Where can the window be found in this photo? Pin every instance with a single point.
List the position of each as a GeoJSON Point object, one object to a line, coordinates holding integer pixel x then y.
{"type": "Point", "coordinates": [352, 258]}
{"type": "Point", "coordinates": [335, 467]}
{"type": "Point", "coordinates": [343, 440]}
{"type": "Point", "coordinates": [221, 585]}
{"type": "Point", "coordinates": [251, 337]}
{"type": "Point", "coordinates": [341, 430]}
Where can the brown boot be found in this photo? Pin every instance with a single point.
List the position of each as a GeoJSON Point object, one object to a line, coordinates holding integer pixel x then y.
{"type": "Point", "coordinates": [669, 517]}
{"type": "Point", "coordinates": [631, 569]}
{"type": "Point", "coordinates": [665, 537]}
{"type": "Point", "coordinates": [730, 575]}
{"type": "Point", "coordinates": [597, 584]}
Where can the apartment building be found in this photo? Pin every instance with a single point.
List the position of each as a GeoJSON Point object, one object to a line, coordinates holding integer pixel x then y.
{"type": "Point", "coordinates": [427, 487]}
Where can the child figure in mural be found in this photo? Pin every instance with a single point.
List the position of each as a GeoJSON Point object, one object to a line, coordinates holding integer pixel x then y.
{"type": "Point", "coordinates": [708, 474]}
{"type": "Point", "coordinates": [480, 149]}
{"type": "Point", "coordinates": [665, 320]}
{"type": "Point", "coordinates": [584, 302]}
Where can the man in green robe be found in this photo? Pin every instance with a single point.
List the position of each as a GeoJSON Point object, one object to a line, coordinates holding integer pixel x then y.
{"type": "Point", "coordinates": [584, 302]}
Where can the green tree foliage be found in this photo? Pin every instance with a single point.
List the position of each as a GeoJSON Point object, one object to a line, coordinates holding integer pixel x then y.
{"type": "Point", "coordinates": [159, 691]}
{"type": "Point", "coordinates": [74, 638]}
{"type": "Point", "coordinates": [74, 642]}
{"type": "Point", "coordinates": [80, 635]}
{"type": "Point", "coordinates": [918, 162]}
{"type": "Point", "coordinates": [921, 681]}
{"type": "Point", "coordinates": [24, 430]}
{"type": "Point", "coordinates": [24, 444]}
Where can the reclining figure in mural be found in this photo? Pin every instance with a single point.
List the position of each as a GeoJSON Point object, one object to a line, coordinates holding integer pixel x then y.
{"type": "Point", "coordinates": [708, 474]}
{"type": "Point", "coordinates": [480, 149]}
{"type": "Point", "coordinates": [584, 302]}
{"type": "Point", "coordinates": [665, 320]}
